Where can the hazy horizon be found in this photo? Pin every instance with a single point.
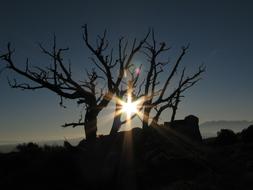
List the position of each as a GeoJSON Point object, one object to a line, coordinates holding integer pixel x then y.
{"type": "Point", "coordinates": [207, 129]}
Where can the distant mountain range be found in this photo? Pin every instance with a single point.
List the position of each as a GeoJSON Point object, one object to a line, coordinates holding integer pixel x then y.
{"type": "Point", "coordinates": [210, 128]}
{"type": "Point", "coordinates": [227, 124]}
{"type": "Point", "coordinates": [8, 146]}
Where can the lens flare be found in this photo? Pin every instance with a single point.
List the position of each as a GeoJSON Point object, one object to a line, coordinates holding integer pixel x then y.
{"type": "Point", "coordinates": [129, 107]}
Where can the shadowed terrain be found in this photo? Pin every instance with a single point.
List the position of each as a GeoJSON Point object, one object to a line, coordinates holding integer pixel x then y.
{"type": "Point", "coordinates": [157, 158]}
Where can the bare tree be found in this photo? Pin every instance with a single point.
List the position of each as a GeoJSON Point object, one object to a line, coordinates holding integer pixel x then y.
{"type": "Point", "coordinates": [130, 90]}
{"type": "Point", "coordinates": [161, 96]}
{"type": "Point", "coordinates": [157, 94]}
{"type": "Point", "coordinates": [58, 76]}
{"type": "Point", "coordinates": [160, 93]}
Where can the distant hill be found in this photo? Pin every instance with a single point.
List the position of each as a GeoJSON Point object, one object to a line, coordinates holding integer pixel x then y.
{"type": "Point", "coordinates": [210, 128]}
{"type": "Point", "coordinates": [230, 124]}
{"type": "Point", "coordinates": [6, 146]}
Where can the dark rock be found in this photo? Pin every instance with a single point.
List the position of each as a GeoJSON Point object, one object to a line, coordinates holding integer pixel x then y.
{"type": "Point", "coordinates": [247, 134]}
{"type": "Point", "coordinates": [188, 127]}
{"type": "Point", "coordinates": [67, 145]}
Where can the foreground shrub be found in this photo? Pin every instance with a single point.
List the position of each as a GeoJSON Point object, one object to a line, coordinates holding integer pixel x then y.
{"type": "Point", "coordinates": [28, 147]}
{"type": "Point", "coordinates": [226, 137]}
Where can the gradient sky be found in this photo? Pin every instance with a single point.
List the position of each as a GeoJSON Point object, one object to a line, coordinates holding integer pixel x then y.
{"type": "Point", "coordinates": [219, 31]}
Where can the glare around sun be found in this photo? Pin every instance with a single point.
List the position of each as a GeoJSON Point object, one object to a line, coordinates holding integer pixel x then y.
{"type": "Point", "coordinates": [129, 107]}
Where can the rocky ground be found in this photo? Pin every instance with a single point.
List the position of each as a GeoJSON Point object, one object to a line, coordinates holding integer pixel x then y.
{"type": "Point", "coordinates": [153, 159]}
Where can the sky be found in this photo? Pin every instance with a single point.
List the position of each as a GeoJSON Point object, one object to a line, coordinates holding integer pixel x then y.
{"type": "Point", "coordinates": [219, 33]}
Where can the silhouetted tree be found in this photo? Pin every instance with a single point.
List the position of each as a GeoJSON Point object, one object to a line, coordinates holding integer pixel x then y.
{"type": "Point", "coordinates": [156, 93]}
{"type": "Point", "coordinates": [161, 93]}
{"type": "Point", "coordinates": [131, 86]}
{"type": "Point", "coordinates": [226, 137]}
{"type": "Point", "coordinates": [58, 76]}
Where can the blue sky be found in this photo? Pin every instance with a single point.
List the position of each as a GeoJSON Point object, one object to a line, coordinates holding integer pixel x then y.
{"type": "Point", "coordinates": [220, 34]}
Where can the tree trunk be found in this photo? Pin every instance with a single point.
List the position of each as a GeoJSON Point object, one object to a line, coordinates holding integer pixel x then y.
{"type": "Point", "coordinates": [175, 106]}
{"type": "Point", "coordinates": [154, 122]}
{"type": "Point", "coordinates": [174, 111]}
{"type": "Point", "coordinates": [145, 121]}
{"type": "Point", "coordinates": [117, 115]}
{"type": "Point", "coordinates": [116, 121]}
{"type": "Point", "coordinates": [90, 126]}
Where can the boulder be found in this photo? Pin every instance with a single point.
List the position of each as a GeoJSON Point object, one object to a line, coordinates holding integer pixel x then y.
{"type": "Point", "coordinates": [188, 127]}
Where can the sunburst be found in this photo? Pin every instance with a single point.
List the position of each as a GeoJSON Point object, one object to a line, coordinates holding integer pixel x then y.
{"type": "Point", "coordinates": [129, 107]}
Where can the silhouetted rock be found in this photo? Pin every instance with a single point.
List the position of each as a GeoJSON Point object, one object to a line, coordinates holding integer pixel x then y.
{"type": "Point", "coordinates": [226, 137]}
{"type": "Point", "coordinates": [247, 134]}
{"type": "Point", "coordinates": [188, 127]}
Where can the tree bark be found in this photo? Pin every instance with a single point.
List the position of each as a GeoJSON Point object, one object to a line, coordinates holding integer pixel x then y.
{"type": "Point", "coordinates": [174, 110]}
{"type": "Point", "coordinates": [116, 121]}
{"type": "Point", "coordinates": [175, 106]}
{"type": "Point", "coordinates": [145, 121]}
{"type": "Point", "coordinates": [90, 124]}
{"type": "Point", "coordinates": [117, 115]}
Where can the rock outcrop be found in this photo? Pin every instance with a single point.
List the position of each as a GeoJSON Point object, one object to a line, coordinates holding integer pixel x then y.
{"type": "Point", "coordinates": [188, 127]}
{"type": "Point", "coordinates": [247, 134]}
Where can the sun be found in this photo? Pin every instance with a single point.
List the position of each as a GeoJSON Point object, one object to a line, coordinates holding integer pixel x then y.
{"type": "Point", "coordinates": [129, 107]}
